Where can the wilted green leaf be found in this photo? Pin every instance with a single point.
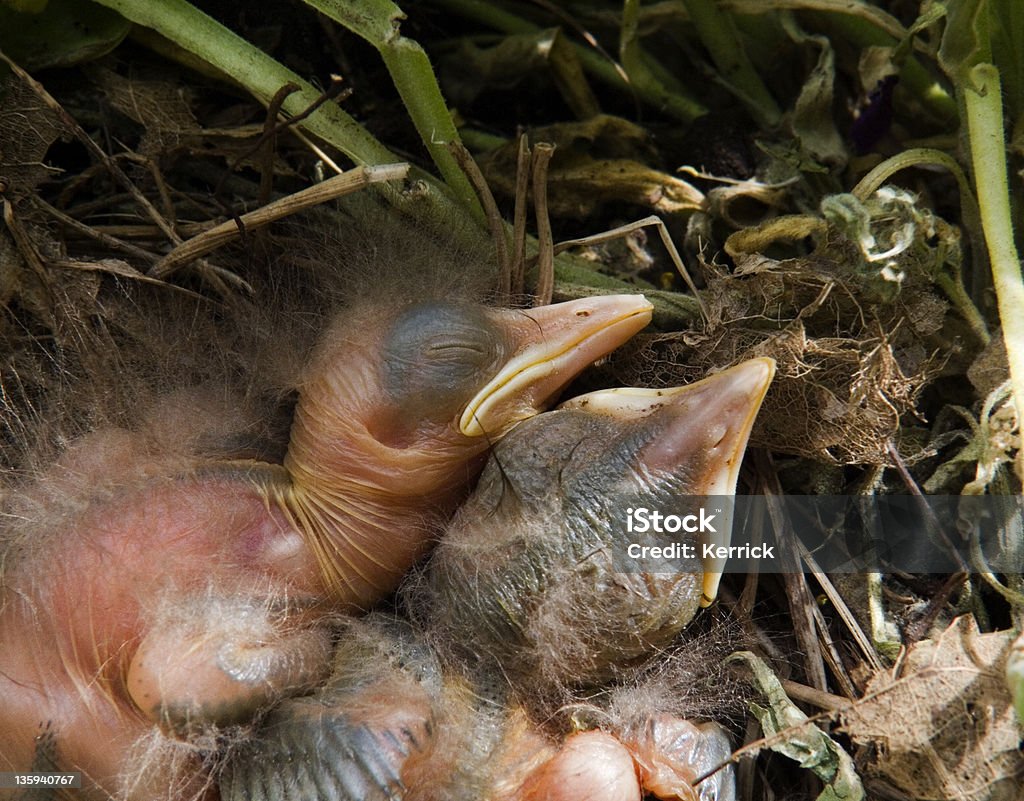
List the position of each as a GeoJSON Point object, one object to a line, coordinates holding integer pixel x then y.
{"type": "Point", "coordinates": [472, 70]}
{"type": "Point", "coordinates": [804, 742]}
{"type": "Point", "coordinates": [894, 235]}
{"type": "Point", "coordinates": [876, 64]}
{"type": "Point", "coordinates": [986, 31]}
{"type": "Point", "coordinates": [597, 161]}
{"type": "Point", "coordinates": [1008, 52]}
{"type": "Point", "coordinates": [965, 41]}
{"type": "Point", "coordinates": [994, 440]}
{"type": "Point", "coordinates": [758, 238]}
{"type": "Point", "coordinates": [812, 117]}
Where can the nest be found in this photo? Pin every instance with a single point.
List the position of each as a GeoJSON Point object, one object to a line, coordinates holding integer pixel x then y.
{"type": "Point", "coordinates": [852, 362]}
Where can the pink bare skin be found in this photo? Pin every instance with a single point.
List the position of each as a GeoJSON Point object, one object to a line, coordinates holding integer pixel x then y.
{"type": "Point", "coordinates": [76, 620]}
{"type": "Point", "coordinates": [590, 764]}
{"type": "Point", "coordinates": [188, 595]}
{"type": "Point", "coordinates": [666, 757]}
{"type": "Point", "coordinates": [391, 428]}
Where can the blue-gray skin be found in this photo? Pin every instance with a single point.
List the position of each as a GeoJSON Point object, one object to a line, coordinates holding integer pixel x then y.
{"type": "Point", "coordinates": [533, 573]}
{"type": "Point", "coordinates": [352, 738]}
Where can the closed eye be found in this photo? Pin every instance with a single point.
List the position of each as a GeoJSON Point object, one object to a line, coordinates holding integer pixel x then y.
{"type": "Point", "coordinates": [445, 347]}
{"type": "Point", "coordinates": [470, 356]}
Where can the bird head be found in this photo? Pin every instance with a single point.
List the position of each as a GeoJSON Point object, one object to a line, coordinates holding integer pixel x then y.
{"type": "Point", "coordinates": [530, 572]}
{"type": "Point", "coordinates": [394, 419]}
{"type": "Point", "coordinates": [434, 383]}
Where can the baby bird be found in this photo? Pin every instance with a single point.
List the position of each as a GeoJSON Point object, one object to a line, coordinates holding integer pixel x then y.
{"type": "Point", "coordinates": [523, 593]}
{"type": "Point", "coordinates": [391, 724]}
{"type": "Point", "coordinates": [157, 587]}
{"type": "Point", "coordinates": [373, 730]}
{"type": "Point", "coordinates": [532, 577]}
{"type": "Point", "coordinates": [399, 408]}
{"type": "Point", "coordinates": [389, 429]}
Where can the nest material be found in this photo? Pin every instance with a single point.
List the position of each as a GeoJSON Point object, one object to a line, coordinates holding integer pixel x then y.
{"type": "Point", "coordinates": [851, 360]}
{"type": "Point", "coordinates": [851, 368]}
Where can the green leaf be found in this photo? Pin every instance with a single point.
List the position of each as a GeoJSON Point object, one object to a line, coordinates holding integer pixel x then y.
{"type": "Point", "coordinates": [802, 741]}
{"type": "Point", "coordinates": [965, 41]}
{"type": "Point", "coordinates": [813, 121]}
{"type": "Point", "coordinates": [1008, 52]}
{"type": "Point", "coordinates": [378, 22]}
{"type": "Point", "coordinates": [199, 34]}
{"type": "Point", "coordinates": [64, 33]}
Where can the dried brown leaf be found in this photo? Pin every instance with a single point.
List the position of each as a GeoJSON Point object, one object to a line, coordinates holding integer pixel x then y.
{"type": "Point", "coordinates": [941, 724]}
{"type": "Point", "coordinates": [160, 106]}
{"type": "Point", "coordinates": [27, 129]}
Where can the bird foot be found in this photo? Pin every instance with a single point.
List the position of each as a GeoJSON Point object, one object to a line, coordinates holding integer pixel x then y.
{"type": "Point", "coordinates": [219, 662]}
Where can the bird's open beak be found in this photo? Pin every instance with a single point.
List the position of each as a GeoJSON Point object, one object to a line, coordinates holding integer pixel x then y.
{"type": "Point", "coordinates": [552, 344]}
{"type": "Point", "coordinates": [708, 426]}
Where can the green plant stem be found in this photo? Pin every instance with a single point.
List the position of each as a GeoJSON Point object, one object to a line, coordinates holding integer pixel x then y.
{"type": "Point", "coordinates": [262, 76]}
{"type": "Point", "coordinates": [984, 103]}
{"type": "Point", "coordinates": [680, 106]}
{"type": "Point", "coordinates": [717, 32]}
{"type": "Point", "coordinates": [377, 21]}
{"type": "Point", "coordinates": [911, 158]}
{"type": "Point", "coordinates": [871, 14]}
{"type": "Point", "coordinates": [257, 72]}
{"type": "Point", "coordinates": [481, 141]}
{"type": "Point", "coordinates": [953, 286]}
